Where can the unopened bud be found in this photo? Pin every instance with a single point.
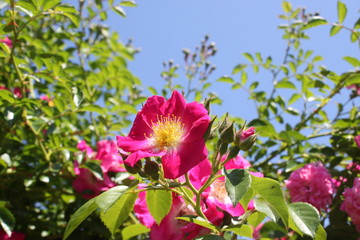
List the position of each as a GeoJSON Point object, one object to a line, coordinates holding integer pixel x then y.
{"type": "Point", "coordinates": [225, 123]}
{"type": "Point", "coordinates": [135, 169]}
{"type": "Point", "coordinates": [152, 169]}
{"type": "Point", "coordinates": [223, 148]}
{"type": "Point", "coordinates": [227, 135]}
{"type": "Point", "coordinates": [208, 133]}
{"type": "Point", "coordinates": [234, 151]}
{"type": "Point", "coordinates": [248, 142]}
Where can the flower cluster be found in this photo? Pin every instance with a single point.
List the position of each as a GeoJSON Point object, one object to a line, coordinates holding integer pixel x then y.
{"type": "Point", "coordinates": [7, 41]}
{"type": "Point", "coordinates": [351, 204]}
{"type": "Point", "coordinates": [214, 203]}
{"type": "Point", "coordinates": [312, 184]}
{"type": "Point", "coordinates": [86, 183]}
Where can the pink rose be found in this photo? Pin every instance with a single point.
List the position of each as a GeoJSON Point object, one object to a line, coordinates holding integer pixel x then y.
{"type": "Point", "coordinates": [14, 236]}
{"type": "Point", "coordinates": [351, 204]}
{"type": "Point", "coordinates": [86, 183]}
{"type": "Point", "coordinates": [7, 41]}
{"type": "Point", "coordinates": [357, 139]}
{"type": "Point", "coordinates": [312, 184]}
{"type": "Point", "coordinates": [172, 129]}
{"type": "Point", "coordinates": [355, 87]}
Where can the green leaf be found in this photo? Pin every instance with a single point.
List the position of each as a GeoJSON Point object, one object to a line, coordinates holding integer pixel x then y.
{"type": "Point", "coordinates": [159, 203]}
{"type": "Point", "coordinates": [128, 3]}
{"type": "Point", "coordinates": [354, 36]}
{"type": "Point", "coordinates": [285, 84]}
{"type": "Point", "coordinates": [305, 217]}
{"type": "Point", "coordinates": [286, 6]}
{"type": "Point", "coordinates": [263, 206]}
{"type": "Point", "coordinates": [66, 8]}
{"type": "Point", "coordinates": [78, 96]}
{"type": "Point", "coordinates": [238, 68]}
{"type": "Point", "coordinates": [27, 7]}
{"type": "Point", "coordinates": [7, 95]}
{"type": "Point", "coordinates": [320, 233]}
{"type": "Point", "coordinates": [226, 79]}
{"type": "Point", "coordinates": [119, 212]}
{"type": "Point", "coordinates": [249, 57]}
{"type": "Point", "coordinates": [93, 108]}
{"type": "Point", "coordinates": [79, 216]}
{"type": "Point", "coordinates": [291, 136]}
{"type": "Point", "coordinates": [335, 30]}
{"type": "Point", "coordinates": [342, 11]}
{"type": "Point", "coordinates": [248, 196]}
{"type": "Point", "coordinates": [200, 221]}
{"type": "Point", "coordinates": [47, 4]}
{"type": "Point", "coordinates": [353, 61]}
{"type": "Point", "coordinates": [357, 24]}
{"type": "Point", "coordinates": [133, 230]}
{"type": "Point", "coordinates": [256, 218]}
{"type": "Point", "coordinates": [237, 184]}
{"type": "Point", "coordinates": [263, 126]}
{"type": "Point", "coordinates": [75, 19]}
{"type": "Point", "coordinates": [316, 21]}
{"type": "Point", "coordinates": [95, 169]}
{"type": "Point", "coordinates": [243, 230]}
{"type": "Point", "coordinates": [119, 10]}
{"type": "Point", "coordinates": [271, 192]}
{"type": "Point", "coordinates": [107, 199]}
{"type": "Point", "coordinates": [7, 220]}
{"type": "Point", "coordinates": [294, 98]}
{"type": "Point", "coordinates": [353, 79]}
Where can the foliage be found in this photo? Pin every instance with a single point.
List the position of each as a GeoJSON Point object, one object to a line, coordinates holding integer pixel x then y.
{"type": "Point", "coordinates": [64, 78]}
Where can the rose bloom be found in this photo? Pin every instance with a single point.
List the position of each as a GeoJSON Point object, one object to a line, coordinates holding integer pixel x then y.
{"type": "Point", "coordinates": [355, 87]}
{"type": "Point", "coordinates": [86, 183]}
{"type": "Point", "coordinates": [171, 129]}
{"type": "Point", "coordinates": [14, 236]}
{"type": "Point", "coordinates": [7, 41]}
{"type": "Point", "coordinates": [312, 184]}
{"type": "Point", "coordinates": [16, 92]}
{"type": "Point", "coordinates": [351, 204]}
{"type": "Point", "coordinates": [357, 140]}
{"type": "Point", "coordinates": [171, 228]}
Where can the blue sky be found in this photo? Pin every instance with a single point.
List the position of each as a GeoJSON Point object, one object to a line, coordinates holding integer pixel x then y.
{"type": "Point", "coordinates": [163, 28]}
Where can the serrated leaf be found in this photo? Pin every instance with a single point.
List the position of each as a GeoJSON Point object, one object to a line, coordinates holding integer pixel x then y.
{"type": "Point", "coordinates": [285, 84]}
{"type": "Point", "coordinates": [270, 191]}
{"type": "Point", "coordinates": [342, 11]}
{"type": "Point", "coordinates": [133, 230]}
{"type": "Point", "coordinates": [237, 184]}
{"type": "Point", "coordinates": [119, 10]}
{"type": "Point", "coordinates": [305, 217]}
{"type": "Point", "coordinates": [159, 203]}
{"type": "Point", "coordinates": [314, 22]}
{"type": "Point", "coordinates": [119, 212]}
{"type": "Point", "coordinates": [210, 237]}
{"type": "Point", "coordinates": [7, 220]}
{"type": "Point", "coordinates": [79, 216]}
{"type": "Point", "coordinates": [256, 218]}
{"type": "Point", "coordinates": [320, 233]}
{"type": "Point", "coordinates": [200, 221]}
{"type": "Point", "coordinates": [107, 199]}
{"type": "Point", "coordinates": [263, 206]}
{"type": "Point", "coordinates": [78, 96]}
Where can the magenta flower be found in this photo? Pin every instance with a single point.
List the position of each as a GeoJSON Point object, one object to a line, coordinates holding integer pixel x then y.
{"type": "Point", "coordinates": [14, 236]}
{"type": "Point", "coordinates": [312, 184]}
{"type": "Point", "coordinates": [355, 87]}
{"type": "Point", "coordinates": [357, 140]}
{"type": "Point", "coordinates": [7, 41]}
{"type": "Point", "coordinates": [171, 228]}
{"type": "Point", "coordinates": [172, 129]}
{"type": "Point", "coordinates": [86, 183]}
{"type": "Point", "coordinates": [247, 133]}
{"type": "Point", "coordinates": [351, 204]}
{"type": "Point", "coordinates": [16, 92]}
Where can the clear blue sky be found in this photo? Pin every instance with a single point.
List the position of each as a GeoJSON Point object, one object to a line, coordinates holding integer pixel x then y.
{"type": "Point", "coordinates": [162, 28]}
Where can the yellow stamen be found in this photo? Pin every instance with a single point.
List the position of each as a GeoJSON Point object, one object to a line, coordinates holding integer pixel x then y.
{"type": "Point", "coordinates": [167, 132]}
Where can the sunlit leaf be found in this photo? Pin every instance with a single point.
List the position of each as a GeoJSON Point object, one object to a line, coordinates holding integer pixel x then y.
{"type": "Point", "coordinates": [237, 184]}
{"type": "Point", "coordinates": [7, 220]}
{"type": "Point", "coordinates": [316, 21]}
{"type": "Point", "coordinates": [159, 203]}
{"type": "Point", "coordinates": [200, 221]}
{"type": "Point", "coordinates": [133, 230]}
{"type": "Point", "coordinates": [342, 11]}
{"type": "Point", "coordinates": [305, 217]}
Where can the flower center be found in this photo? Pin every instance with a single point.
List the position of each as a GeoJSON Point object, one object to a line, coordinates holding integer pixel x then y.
{"type": "Point", "coordinates": [218, 191]}
{"type": "Point", "coordinates": [167, 132]}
